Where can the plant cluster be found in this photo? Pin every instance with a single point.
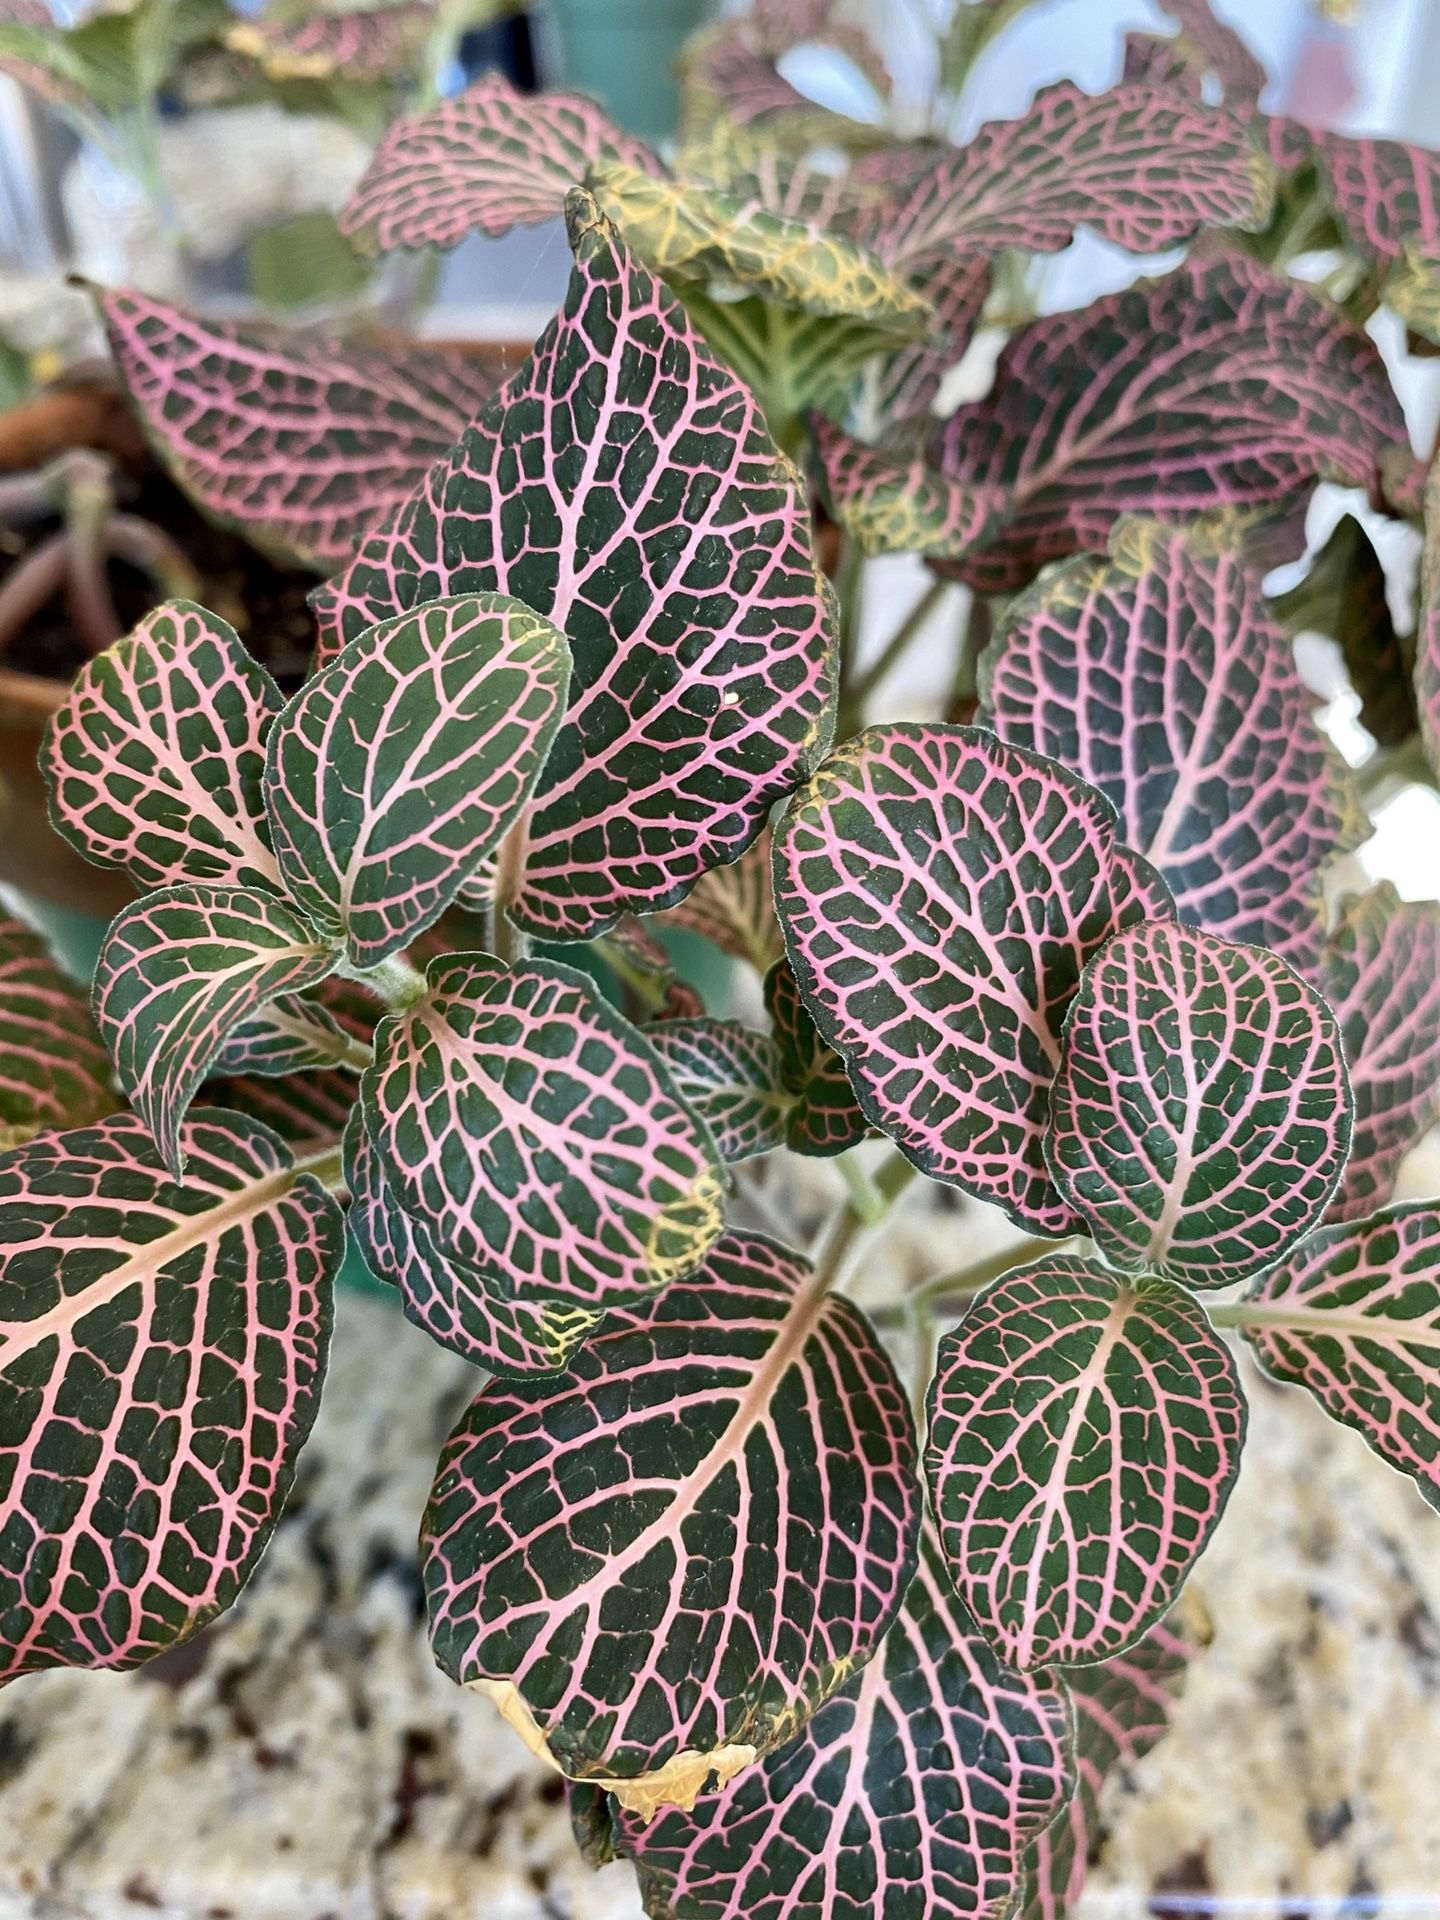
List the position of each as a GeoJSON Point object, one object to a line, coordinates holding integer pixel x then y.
{"type": "Point", "coordinates": [1066, 949]}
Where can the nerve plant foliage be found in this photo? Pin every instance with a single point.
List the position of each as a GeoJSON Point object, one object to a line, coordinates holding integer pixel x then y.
{"type": "Point", "coordinates": [1066, 950]}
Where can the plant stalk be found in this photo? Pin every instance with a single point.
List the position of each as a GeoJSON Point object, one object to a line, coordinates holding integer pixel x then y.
{"type": "Point", "coordinates": [394, 981]}
{"type": "Point", "coordinates": [852, 710]}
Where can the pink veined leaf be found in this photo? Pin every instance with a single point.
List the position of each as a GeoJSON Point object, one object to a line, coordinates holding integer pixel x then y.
{"type": "Point", "coordinates": [360, 43]}
{"type": "Point", "coordinates": [394, 773]}
{"type": "Point", "coordinates": [1122, 1710]}
{"type": "Point", "coordinates": [947, 1008]}
{"type": "Point", "coordinates": [1223, 51]}
{"type": "Point", "coordinates": [1202, 1112]}
{"type": "Point", "coordinates": [725, 74]}
{"type": "Point", "coordinates": [1229, 388]}
{"type": "Point", "coordinates": [826, 1117]}
{"type": "Point", "coordinates": [1387, 193]}
{"type": "Point", "coordinates": [442, 1295]}
{"type": "Point", "coordinates": [1159, 675]}
{"type": "Point", "coordinates": [486, 161]}
{"type": "Point", "coordinates": [742, 1422]}
{"type": "Point", "coordinates": [1138, 890]}
{"type": "Point", "coordinates": [731, 1077]}
{"type": "Point", "coordinates": [289, 1035]}
{"type": "Point", "coordinates": [624, 452]}
{"type": "Point", "coordinates": [153, 762]}
{"type": "Point", "coordinates": [733, 908]}
{"type": "Point", "coordinates": [180, 971]}
{"type": "Point", "coordinates": [1145, 170]}
{"type": "Point", "coordinates": [300, 443]}
{"type": "Point", "coordinates": [1084, 1437]}
{"type": "Point", "coordinates": [930, 1771]}
{"type": "Point", "coordinates": [1380, 971]}
{"type": "Point", "coordinates": [538, 1138]}
{"type": "Point", "coordinates": [177, 1336]}
{"type": "Point", "coordinates": [1354, 1315]}
{"type": "Point", "coordinates": [957, 285]}
{"type": "Point", "coordinates": [53, 1070]}
{"type": "Point", "coordinates": [894, 505]}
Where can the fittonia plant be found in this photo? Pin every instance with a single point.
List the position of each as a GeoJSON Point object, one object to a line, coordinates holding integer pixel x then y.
{"type": "Point", "coordinates": [1067, 950]}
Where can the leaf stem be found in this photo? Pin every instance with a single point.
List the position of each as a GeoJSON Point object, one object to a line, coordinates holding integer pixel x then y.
{"type": "Point", "coordinates": [327, 1166]}
{"type": "Point", "coordinates": [852, 712]}
{"type": "Point", "coordinates": [864, 1210]}
{"type": "Point", "coordinates": [394, 981]}
{"type": "Point", "coordinates": [951, 1292]}
{"type": "Point", "coordinates": [507, 942]}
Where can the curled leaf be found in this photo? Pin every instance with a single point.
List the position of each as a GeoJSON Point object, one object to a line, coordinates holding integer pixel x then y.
{"type": "Point", "coordinates": [932, 1769]}
{"type": "Point", "coordinates": [300, 443]}
{"type": "Point", "coordinates": [180, 971]}
{"type": "Point", "coordinates": [1354, 1315]}
{"type": "Point", "coordinates": [1084, 1437]}
{"type": "Point", "coordinates": [1143, 169]}
{"type": "Point", "coordinates": [661, 1563]}
{"type": "Point", "coordinates": [733, 908]}
{"type": "Point", "coordinates": [701, 233]}
{"type": "Point", "coordinates": [1202, 1113]}
{"type": "Point", "coordinates": [393, 774]}
{"type": "Point", "coordinates": [178, 1335]}
{"type": "Point", "coordinates": [486, 161]}
{"type": "Point", "coordinates": [154, 760]}
{"type": "Point", "coordinates": [625, 487]}
{"type": "Point", "coordinates": [940, 895]}
{"type": "Point", "coordinates": [1235, 389]}
{"type": "Point", "coordinates": [1158, 674]}
{"type": "Point", "coordinates": [447, 1299]}
{"type": "Point", "coordinates": [893, 505]}
{"type": "Point", "coordinates": [537, 1137]}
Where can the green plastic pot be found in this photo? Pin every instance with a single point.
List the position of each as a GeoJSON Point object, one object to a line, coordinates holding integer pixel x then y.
{"type": "Point", "coordinates": [623, 53]}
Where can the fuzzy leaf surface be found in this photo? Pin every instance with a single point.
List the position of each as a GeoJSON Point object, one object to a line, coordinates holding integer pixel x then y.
{"type": "Point", "coordinates": [1354, 1315]}
{"type": "Point", "coordinates": [154, 761]}
{"type": "Point", "coordinates": [454, 1304]}
{"type": "Point", "coordinates": [161, 1348]}
{"type": "Point", "coordinates": [53, 1070]}
{"type": "Point", "coordinates": [625, 487]}
{"type": "Point", "coordinates": [486, 161]}
{"type": "Point", "coordinates": [940, 895]}
{"type": "Point", "coordinates": [1202, 1113]}
{"type": "Point", "coordinates": [1122, 1710]}
{"type": "Point", "coordinates": [179, 971]}
{"type": "Point", "coordinates": [1215, 385]}
{"type": "Point", "coordinates": [826, 1118]}
{"type": "Point", "coordinates": [925, 1776]}
{"type": "Point", "coordinates": [1083, 1442]}
{"type": "Point", "coordinates": [1158, 674]}
{"type": "Point", "coordinates": [1380, 971]}
{"type": "Point", "coordinates": [393, 773]}
{"type": "Point", "coordinates": [730, 1076]}
{"type": "Point", "coordinates": [661, 1563]}
{"type": "Point", "coordinates": [538, 1138]}
{"type": "Point", "coordinates": [300, 443]}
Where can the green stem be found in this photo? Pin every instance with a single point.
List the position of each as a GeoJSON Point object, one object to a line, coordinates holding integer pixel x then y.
{"type": "Point", "coordinates": [1299, 230]}
{"type": "Point", "coordinates": [394, 981]}
{"type": "Point", "coordinates": [852, 713]}
{"type": "Point", "coordinates": [961, 1284]}
{"type": "Point", "coordinates": [861, 1213]}
{"type": "Point", "coordinates": [849, 592]}
{"type": "Point", "coordinates": [327, 1166]}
